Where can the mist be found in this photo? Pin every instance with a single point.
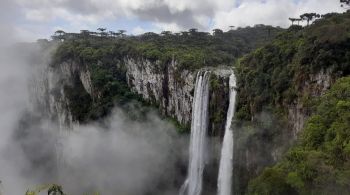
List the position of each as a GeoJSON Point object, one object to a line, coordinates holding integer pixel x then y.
{"type": "Point", "coordinates": [118, 156]}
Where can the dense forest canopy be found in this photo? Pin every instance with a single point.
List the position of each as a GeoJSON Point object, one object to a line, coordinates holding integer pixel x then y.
{"type": "Point", "coordinates": [104, 57]}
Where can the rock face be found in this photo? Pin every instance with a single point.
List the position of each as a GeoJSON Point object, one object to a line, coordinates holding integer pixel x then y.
{"type": "Point", "coordinates": [48, 94]}
{"type": "Point", "coordinates": [162, 85]}
{"type": "Point", "coordinates": [260, 146]}
{"type": "Point", "coordinates": [172, 90]}
{"type": "Point", "coordinates": [315, 86]}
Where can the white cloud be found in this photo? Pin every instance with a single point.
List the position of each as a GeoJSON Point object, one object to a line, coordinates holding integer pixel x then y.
{"type": "Point", "coordinates": [172, 15]}
{"type": "Point", "coordinates": [138, 30]}
{"type": "Point", "coordinates": [272, 12]}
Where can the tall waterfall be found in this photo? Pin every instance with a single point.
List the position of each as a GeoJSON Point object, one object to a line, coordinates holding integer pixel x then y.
{"type": "Point", "coordinates": [199, 126]}
{"type": "Point", "coordinates": [226, 161]}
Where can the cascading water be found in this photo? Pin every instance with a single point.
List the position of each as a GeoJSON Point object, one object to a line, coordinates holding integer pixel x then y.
{"type": "Point", "coordinates": [226, 161]}
{"type": "Point", "coordinates": [199, 126]}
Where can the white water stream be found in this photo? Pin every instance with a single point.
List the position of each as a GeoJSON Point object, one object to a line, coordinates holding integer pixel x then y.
{"type": "Point", "coordinates": [226, 161]}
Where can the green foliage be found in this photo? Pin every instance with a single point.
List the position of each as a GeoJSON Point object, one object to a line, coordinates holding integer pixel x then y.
{"type": "Point", "coordinates": [191, 51]}
{"type": "Point", "coordinates": [52, 189]}
{"type": "Point", "coordinates": [104, 59]}
{"type": "Point", "coordinates": [272, 75]}
{"type": "Point", "coordinates": [79, 100]}
{"type": "Point", "coordinates": [320, 163]}
{"type": "Point", "coordinates": [182, 129]}
{"type": "Point", "coordinates": [272, 182]}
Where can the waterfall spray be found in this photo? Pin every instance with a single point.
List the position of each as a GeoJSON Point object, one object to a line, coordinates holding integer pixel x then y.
{"type": "Point", "coordinates": [199, 126]}
{"type": "Point", "coordinates": [226, 161]}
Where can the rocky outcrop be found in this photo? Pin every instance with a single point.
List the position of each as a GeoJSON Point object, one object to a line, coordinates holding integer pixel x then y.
{"type": "Point", "coordinates": [172, 90]}
{"type": "Point", "coordinates": [48, 94]}
{"type": "Point", "coordinates": [162, 85]}
{"type": "Point", "coordinates": [263, 144]}
{"type": "Point", "coordinates": [315, 86]}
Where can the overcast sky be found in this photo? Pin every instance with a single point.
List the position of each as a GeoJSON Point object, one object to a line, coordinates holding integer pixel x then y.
{"type": "Point", "coordinates": [32, 19]}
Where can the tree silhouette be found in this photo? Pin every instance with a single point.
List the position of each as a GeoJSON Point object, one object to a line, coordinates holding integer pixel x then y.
{"type": "Point", "coordinates": [292, 20]}
{"type": "Point", "coordinates": [59, 32]}
{"type": "Point", "coordinates": [55, 190]}
{"type": "Point", "coordinates": [309, 17]}
{"type": "Point", "coordinates": [184, 33]}
{"type": "Point", "coordinates": [345, 4]}
{"type": "Point", "coordinates": [112, 34]}
{"type": "Point", "coordinates": [85, 33]}
{"type": "Point", "coordinates": [102, 30]}
{"type": "Point", "coordinates": [122, 32]}
{"type": "Point", "coordinates": [217, 32]}
{"type": "Point", "coordinates": [295, 20]}
{"type": "Point", "coordinates": [59, 35]}
{"type": "Point", "coordinates": [193, 31]}
{"type": "Point", "coordinates": [166, 33]}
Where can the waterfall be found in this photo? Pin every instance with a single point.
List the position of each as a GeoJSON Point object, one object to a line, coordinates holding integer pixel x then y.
{"type": "Point", "coordinates": [199, 126]}
{"type": "Point", "coordinates": [226, 161]}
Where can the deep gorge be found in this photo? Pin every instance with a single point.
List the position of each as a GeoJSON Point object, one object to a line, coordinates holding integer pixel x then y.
{"type": "Point", "coordinates": [164, 104]}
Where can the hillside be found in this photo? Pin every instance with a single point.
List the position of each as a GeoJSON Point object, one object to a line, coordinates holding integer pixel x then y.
{"type": "Point", "coordinates": [279, 87]}
{"type": "Point", "coordinates": [108, 61]}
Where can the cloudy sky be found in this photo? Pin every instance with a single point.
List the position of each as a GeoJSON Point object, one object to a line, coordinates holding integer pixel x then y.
{"type": "Point", "coordinates": [32, 19]}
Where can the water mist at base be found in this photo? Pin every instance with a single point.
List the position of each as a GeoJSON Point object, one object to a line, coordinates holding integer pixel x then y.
{"type": "Point", "coordinates": [226, 161]}
{"type": "Point", "coordinates": [199, 126]}
{"type": "Point", "coordinates": [119, 156]}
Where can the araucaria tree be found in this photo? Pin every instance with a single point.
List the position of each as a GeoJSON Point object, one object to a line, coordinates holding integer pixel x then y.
{"type": "Point", "coordinates": [218, 32]}
{"type": "Point", "coordinates": [102, 31]}
{"type": "Point", "coordinates": [309, 17]}
{"type": "Point", "coordinates": [295, 20]}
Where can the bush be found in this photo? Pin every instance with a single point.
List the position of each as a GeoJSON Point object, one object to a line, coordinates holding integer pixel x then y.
{"type": "Point", "coordinates": [320, 163]}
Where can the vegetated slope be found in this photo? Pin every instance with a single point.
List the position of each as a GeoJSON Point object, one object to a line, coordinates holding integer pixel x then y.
{"type": "Point", "coordinates": [104, 58]}
{"type": "Point", "coordinates": [320, 162]}
{"type": "Point", "coordinates": [277, 86]}
{"type": "Point", "coordinates": [273, 75]}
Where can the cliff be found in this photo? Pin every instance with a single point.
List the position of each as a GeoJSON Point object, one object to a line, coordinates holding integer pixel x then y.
{"type": "Point", "coordinates": [169, 90]}
{"type": "Point", "coordinates": [279, 85]}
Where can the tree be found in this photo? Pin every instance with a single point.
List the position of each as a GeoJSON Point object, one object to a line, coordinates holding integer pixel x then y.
{"type": "Point", "coordinates": [345, 4]}
{"type": "Point", "coordinates": [102, 30]}
{"type": "Point", "coordinates": [59, 35]}
{"type": "Point", "coordinates": [217, 32]}
{"type": "Point", "coordinates": [59, 32]}
{"type": "Point", "coordinates": [53, 189]}
{"type": "Point", "coordinates": [85, 33]}
{"type": "Point", "coordinates": [122, 32]}
{"type": "Point", "coordinates": [292, 20]}
{"type": "Point", "coordinates": [193, 31]}
{"type": "Point", "coordinates": [112, 34]}
{"type": "Point", "coordinates": [166, 33]}
{"type": "Point", "coordinates": [269, 29]}
{"type": "Point", "coordinates": [295, 20]}
{"type": "Point", "coordinates": [184, 33]}
{"type": "Point", "coordinates": [232, 27]}
{"type": "Point", "coordinates": [309, 17]}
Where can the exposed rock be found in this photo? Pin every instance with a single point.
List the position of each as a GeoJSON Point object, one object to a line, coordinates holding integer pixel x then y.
{"type": "Point", "coordinates": [315, 86]}
{"type": "Point", "coordinates": [173, 90]}
{"type": "Point", "coordinates": [48, 94]}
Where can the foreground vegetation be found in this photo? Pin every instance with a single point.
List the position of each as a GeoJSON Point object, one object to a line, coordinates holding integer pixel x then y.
{"type": "Point", "coordinates": [285, 74]}
{"type": "Point", "coordinates": [272, 76]}
{"type": "Point", "coordinates": [320, 162]}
